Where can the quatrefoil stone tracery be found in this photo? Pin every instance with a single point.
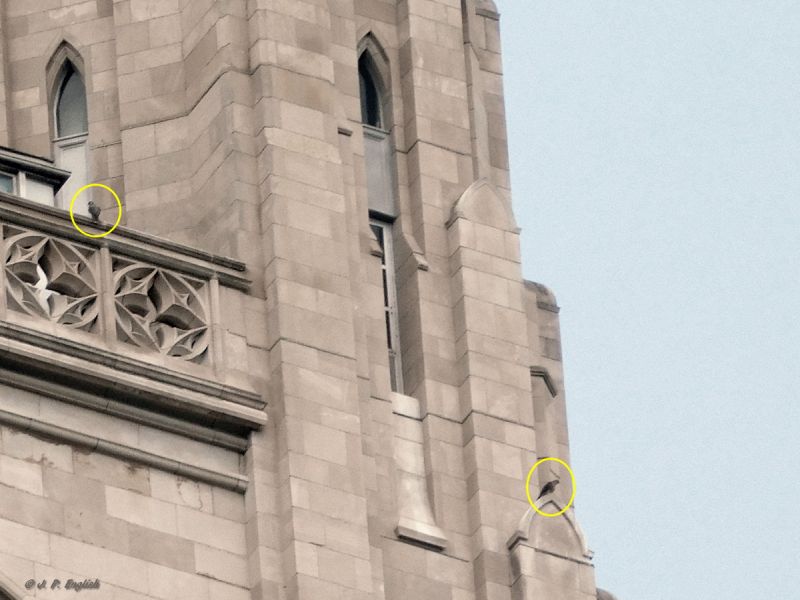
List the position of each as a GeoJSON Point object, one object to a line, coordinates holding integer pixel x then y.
{"type": "Point", "coordinates": [160, 310]}
{"type": "Point", "coordinates": [52, 279]}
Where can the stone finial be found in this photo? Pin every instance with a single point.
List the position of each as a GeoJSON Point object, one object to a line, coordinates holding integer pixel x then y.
{"type": "Point", "coordinates": [481, 203]}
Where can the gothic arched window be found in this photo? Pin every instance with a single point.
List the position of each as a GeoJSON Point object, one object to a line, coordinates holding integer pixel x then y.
{"type": "Point", "coordinates": [71, 132]}
{"type": "Point", "coordinates": [370, 95]}
{"type": "Point", "coordinates": [71, 116]}
{"type": "Point", "coordinates": [373, 76]}
{"type": "Point", "coordinates": [373, 79]}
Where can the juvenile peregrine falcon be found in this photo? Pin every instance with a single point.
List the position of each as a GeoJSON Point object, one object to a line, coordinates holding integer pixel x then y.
{"type": "Point", "coordinates": [548, 488]}
{"type": "Point", "coordinates": [94, 211]}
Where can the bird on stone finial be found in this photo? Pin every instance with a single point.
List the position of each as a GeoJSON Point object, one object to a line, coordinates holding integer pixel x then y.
{"type": "Point", "coordinates": [94, 211]}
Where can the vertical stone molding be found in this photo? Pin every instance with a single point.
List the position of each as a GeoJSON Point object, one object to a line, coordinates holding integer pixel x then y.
{"type": "Point", "coordinates": [547, 373]}
{"type": "Point", "coordinates": [543, 394]}
{"type": "Point", "coordinates": [322, 546]}
{"type": "Point", "coordinates": [416, 519]}
{"type": "Point", "coordinates": [5, 87]}
{"type": "Point", "coordinates": [492, 351]}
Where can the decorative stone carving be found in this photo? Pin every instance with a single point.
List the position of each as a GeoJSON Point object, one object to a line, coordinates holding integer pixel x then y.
{"type": "Point", "coordinates": [51, 278]}
{"type": "Point", "coordinates": [160, 310]}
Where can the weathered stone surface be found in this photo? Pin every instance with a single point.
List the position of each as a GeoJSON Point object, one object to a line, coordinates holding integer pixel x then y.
{"type": "Point", "coordinates": [235, 128]}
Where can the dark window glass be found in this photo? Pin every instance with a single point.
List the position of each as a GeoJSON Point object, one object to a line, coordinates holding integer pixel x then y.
{"type": "Point", "coordinates": [6, 183]}
{"type": "Point", "coordinates": [378, 231]}
{"type": "Point", "coordinates": [370, 99]}
{"type": "Point", "coordinates": [71, 116]}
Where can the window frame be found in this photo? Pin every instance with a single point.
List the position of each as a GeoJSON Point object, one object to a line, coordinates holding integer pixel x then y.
{"type": "Point", "coordinates": [67, 71]}
{"type": "Point", "coordinates": [390, 306]}
{"type": "Point", "coordinates": [15, 185]}
{"type": "Point", "coordinates": [61, 144]}
{"type": "Point", "coordinates": [19, 180]}
{"type": "Point", "coordinates": [372, 84]}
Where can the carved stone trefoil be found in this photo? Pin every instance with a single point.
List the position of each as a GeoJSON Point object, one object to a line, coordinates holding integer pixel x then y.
{"type": "Point", "coordinates": [160, 310]}
{"type": "Point", "coordinates": [51, 278]}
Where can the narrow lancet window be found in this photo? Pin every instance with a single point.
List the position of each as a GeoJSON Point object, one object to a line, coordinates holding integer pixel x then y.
{"type": "Point", "coordinates": [71, 116]}
{"type": "Point", "coordinates": [380, 180]}
{"type": "Point", "coordinates": [71, 134]}
{"type": "Point", "coordinates": [383, 233]}
{"type": "Point", "coordinates": [370, 97]}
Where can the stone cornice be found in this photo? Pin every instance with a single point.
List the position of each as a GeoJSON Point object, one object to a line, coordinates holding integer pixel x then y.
{"type": "Point", "coordinates": [231, 481]}
{"type": "Point", "coordinates": [120, 385]}
{"type": "Point", "coordinates": [125, 364]}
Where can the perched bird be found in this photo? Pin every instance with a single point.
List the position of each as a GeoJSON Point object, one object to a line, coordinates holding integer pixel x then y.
{"type": "Point", "coordinates": [94, 211]}
{"type": "Point", "coordinates": [548, 488]}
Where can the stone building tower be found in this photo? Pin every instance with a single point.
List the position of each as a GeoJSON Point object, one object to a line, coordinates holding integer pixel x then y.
{"type": "Point", "coordinates": [305, 365]}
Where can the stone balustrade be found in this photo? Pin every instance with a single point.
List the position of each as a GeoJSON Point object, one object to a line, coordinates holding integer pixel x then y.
{"type": "Point", "coordinates": [128, 324]}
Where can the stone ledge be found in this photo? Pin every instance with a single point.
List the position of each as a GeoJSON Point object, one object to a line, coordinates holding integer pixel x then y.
{"type": "Point", "coordinates": [231, 481]}
{"type": "Point", "coordinates": [537, 371]}
{"type": "Point", "coordinates": [89, 376]}
{"type": "Point", "coordinates": [406, 406]}
{"type": "Point", "coordinates": [427, 535]}
{"type": "Point", "coordinates": [135, 244]}
{"type": "Point", "coordinates": [488, 13]}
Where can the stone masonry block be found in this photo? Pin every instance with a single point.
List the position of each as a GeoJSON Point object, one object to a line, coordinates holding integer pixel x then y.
{"type": "Point", "coordinates": [141, 510]}
{"type": "Point", "coordinates": [21, 445]}
{"type": "Point", "coordinates": [74, 489]}
{"type": "Point", "coordinates": [112, 471]}
{"type": "Point", "coordinates": [21, 474]}
{"type": "Point", "coordinates": [168, 584]}
{"type": "Point", "coordinates": [210, 530]}
{"type": "Point", "coordinates": [96, 528]}
{"type": "Point", "coordinates": [161, 548]}
{"type": "Point", "coordinates": [85, 560]}
{"type": "Point", "coordinates": [180, 491]}
{"type": "Point", "coordinates": [24, 542]}
{"type": "Point", "coordinates": [34, 511]}
{"type": "Point", "coordinates": [325, 443]}
{"type": "Point", "coordinates": [221, 565]}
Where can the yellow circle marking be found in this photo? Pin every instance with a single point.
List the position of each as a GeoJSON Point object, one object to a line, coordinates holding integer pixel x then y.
{"type": "Point", "coordinates": [528, 487]}
{"type": "Point", "coordinates": [72, 208]}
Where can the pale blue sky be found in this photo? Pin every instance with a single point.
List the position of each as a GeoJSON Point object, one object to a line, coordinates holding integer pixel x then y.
{"type": "Point", "coordinates": [655, 155]}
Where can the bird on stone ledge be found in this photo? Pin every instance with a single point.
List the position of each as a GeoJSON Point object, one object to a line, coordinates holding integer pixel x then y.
{"type": "Point", "coordinates": [549, 487]}
{"type": "Point", "coordinates": [94, 211]}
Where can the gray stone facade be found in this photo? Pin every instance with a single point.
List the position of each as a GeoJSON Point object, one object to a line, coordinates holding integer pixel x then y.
{"type": "Point", "coordinates": [207, 403]}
